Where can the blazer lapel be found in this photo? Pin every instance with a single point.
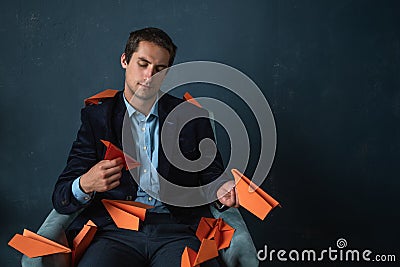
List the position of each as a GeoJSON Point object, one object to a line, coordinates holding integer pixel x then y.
{"type": "Point", "coordinates": [168, 129]}
{"type": "Point", "coordinates": [117, 121]}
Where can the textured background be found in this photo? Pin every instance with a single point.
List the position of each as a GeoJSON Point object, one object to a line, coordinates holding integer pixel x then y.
{"type": "Point", "coordinates": [329, 69]}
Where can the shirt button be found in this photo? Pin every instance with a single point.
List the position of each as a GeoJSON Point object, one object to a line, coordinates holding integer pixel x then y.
{"type": "Point", "coordinates": [87, 198]}
{"type": "Point", "coordinates": [145, 147]}
{"type": "Point", "coordinates": [144, 170]}
{"type": "Point", "coordinates": [150, 199]}
{"type": "Point", "coordinates": [143, 129]}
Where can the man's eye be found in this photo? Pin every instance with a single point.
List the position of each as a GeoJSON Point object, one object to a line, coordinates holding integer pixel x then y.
{"type": "Point", "coordinates": [142, 64]}
{"type": "Point", "coordinates": [160, 69]}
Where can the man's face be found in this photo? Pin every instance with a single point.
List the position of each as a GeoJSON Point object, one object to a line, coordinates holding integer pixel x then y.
{"type": "Point", "coordinates": [145, 62]}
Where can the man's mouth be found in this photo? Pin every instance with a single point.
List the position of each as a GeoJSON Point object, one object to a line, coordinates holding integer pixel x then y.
{"type": "Point", "coordinates": [146, 85]}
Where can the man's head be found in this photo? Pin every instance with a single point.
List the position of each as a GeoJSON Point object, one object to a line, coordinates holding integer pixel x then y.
{"type": "Point", "coordinates": [152, 35]}
{"type": "Point", "coordinates": [148, 51]}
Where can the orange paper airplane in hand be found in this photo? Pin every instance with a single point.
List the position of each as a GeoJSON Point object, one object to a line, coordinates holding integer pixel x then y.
{"type": "Point", "coordinates": [34, 245]}
{"type": "Point", "coordinates": [82, 241]}
{"type": "Point", "coordinates": [215, 229]}
{"type": "Point", "coordinates": [252, 197]}
{"type": "Point", "coordinates": [126, 214]}
{"type": "Point", "coordinates": [114, 152]}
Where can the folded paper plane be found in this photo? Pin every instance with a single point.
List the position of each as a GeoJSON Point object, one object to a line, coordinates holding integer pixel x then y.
{"type": "Point", "coordinates": [190, 99]}
{"type": "Point", "coordinates": [34, 245]}
{"type": "Point", "coordinates": [214, 234]}
{"type": "Point", "coordinates": [94, 100]}
{"type": "Point", "coordinates": [252, 197]}
{"type": "Point", "coordinates": [207, 251]}
{"type": "Point", "coordinates": [188, 258]}
{"type": "Point", "coordinates": [114, 152]}
{"type": "Point", "coordinates": [217, 230]}
{"type": "Point", "coordinates": [82, 241]}
{"type": "Point", "coordinates": [126, 214]}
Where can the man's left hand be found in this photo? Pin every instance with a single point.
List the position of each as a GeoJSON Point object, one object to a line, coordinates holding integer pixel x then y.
{"type": "Point", "coordinates": [227, 195]}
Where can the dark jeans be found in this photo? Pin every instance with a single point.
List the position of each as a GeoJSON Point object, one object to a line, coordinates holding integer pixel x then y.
{"type": "Point", "coordinates": [160, 241]}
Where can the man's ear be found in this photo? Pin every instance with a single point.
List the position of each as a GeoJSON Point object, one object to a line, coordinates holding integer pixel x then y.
{"type": "Point", "coordinates": [124, 64]}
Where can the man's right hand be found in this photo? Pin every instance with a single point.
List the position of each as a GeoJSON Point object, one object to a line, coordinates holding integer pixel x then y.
{"type": "Point", "coordinates": [103, 176]}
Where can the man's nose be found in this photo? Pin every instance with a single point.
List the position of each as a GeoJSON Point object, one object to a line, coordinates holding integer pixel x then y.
{"type": "Point", "coordinates": [150, 71]}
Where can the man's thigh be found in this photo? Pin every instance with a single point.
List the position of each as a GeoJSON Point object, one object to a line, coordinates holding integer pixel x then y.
{"type": "Point", "coordinates": [115, 248]}
{"type": "Point", "coordinates": [167, 244]}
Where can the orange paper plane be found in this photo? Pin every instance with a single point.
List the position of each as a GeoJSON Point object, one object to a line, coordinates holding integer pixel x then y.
{"type": "Point", "coordinates": [207, 251]}
{"type": "Point", "coordinates": [98, 97]}
{"type": "Point", "coordinates": [82, 241]}
{"type": "Point", "coordinates": [188, 257]}
{"type": "Point", "coordinates": [190, 99]}
{"type": "Point", "coordinates": [114, 152]}
{"type": "Point", "coordinates": [215, 229]}
{"type": "Point", "coordinates": [214, 234]}
{"type": "Point", "coordinates": [126, 214]}
{"type": "Point", "coordinates": [252, 197]}
{"type": "Point", "coordinates": [34, 245]}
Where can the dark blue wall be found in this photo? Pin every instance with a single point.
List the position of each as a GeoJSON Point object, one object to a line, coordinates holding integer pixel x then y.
{"type": "Point", "coordinates": [329, 69]}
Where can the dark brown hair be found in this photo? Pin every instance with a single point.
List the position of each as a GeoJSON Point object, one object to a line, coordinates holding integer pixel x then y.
{"type": "Point", "coordinates": [153, 35]}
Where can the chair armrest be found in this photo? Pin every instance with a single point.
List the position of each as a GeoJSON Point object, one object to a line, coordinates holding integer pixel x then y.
{"type": "Point", "coordinates": [241, 251]}
{"type": "Point", "coordinates": [52, 228]}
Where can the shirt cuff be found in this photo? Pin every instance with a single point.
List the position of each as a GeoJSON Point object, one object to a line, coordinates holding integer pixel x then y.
{"type": "Point", "coordinates": [81, 196]}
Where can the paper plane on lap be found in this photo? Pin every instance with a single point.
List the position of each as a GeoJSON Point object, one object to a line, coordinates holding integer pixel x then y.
{"type": "Point", "coordinates": [215, 234]}
{"type": "Point", "coordinates": [188, 257]}
{"type": "Point", "coordinates": [252, 197]}
{"type": "Point", "coordinates": [217, 230]}
{"type": "Point", "coordinates": [114, 152]}
{"type": "Point", "coordinates": [34, 245]}
{"type": "Point", "coordinates": [126, 214]}
{"type": "Point", "coordinates": [208, 250]}
{"type": "Point", "coordinates": [94, 100]}
{"type": "Point", "coordinates": [190, 99]}
{"type": "Point", "coordinates": [82, 241]}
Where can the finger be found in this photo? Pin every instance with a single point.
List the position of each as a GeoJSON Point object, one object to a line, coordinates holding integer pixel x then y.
{"type": "Point", "coordinates": [113, 170]}
{"type": "Point", "coordinates": [112, 178]}
{"type": "Point", "coordinates": [235, 192]}
{"type": "Point", "coordinates": [107, 164]}
{"type": "Point", "coordinates": [114, 184]}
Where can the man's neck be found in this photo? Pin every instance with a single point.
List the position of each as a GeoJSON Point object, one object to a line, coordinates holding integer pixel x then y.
{"type": "Point", "coordinates": [141, 105]}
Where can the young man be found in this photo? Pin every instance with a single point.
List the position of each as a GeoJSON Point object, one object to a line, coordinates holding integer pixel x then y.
{"type": "Point", "coordinates": [88, 178]}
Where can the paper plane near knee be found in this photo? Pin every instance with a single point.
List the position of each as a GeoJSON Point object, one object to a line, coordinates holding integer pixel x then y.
{"type": "Point", "coordinates": [208, 250]}
{"type": "Point", "coordinates": [215, 229]}
{"type": "Point", "coordinates": [252, 197]}
{"type": "Point", "coordinates": [82, 241]}
{"type": "Point", "coordinates": [34, 245]}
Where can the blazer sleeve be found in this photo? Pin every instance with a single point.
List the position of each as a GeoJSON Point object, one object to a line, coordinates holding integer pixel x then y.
{"type": "Point", "coordinates": [81, 158]}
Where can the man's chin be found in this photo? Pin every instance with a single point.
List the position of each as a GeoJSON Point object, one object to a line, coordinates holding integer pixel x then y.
{"type": "Point", "coordinates": [145, 95]}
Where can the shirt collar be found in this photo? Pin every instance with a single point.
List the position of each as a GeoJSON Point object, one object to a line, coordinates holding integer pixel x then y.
{"type": "Point", "coordinates": [131, 110]}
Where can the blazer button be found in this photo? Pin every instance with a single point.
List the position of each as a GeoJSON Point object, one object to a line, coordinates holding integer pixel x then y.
{"type": "Point", "coordinates": [64, 202]}
{"type": "Point", "coordinates": [128, 197]}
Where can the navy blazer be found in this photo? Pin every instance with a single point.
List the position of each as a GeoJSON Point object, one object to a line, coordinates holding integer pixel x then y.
{"type": "Point", "coordinates": [104, 121]}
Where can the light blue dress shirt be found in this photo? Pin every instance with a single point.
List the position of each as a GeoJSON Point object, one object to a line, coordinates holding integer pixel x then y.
{"type": "Point", "coordinates": [145, 133]}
